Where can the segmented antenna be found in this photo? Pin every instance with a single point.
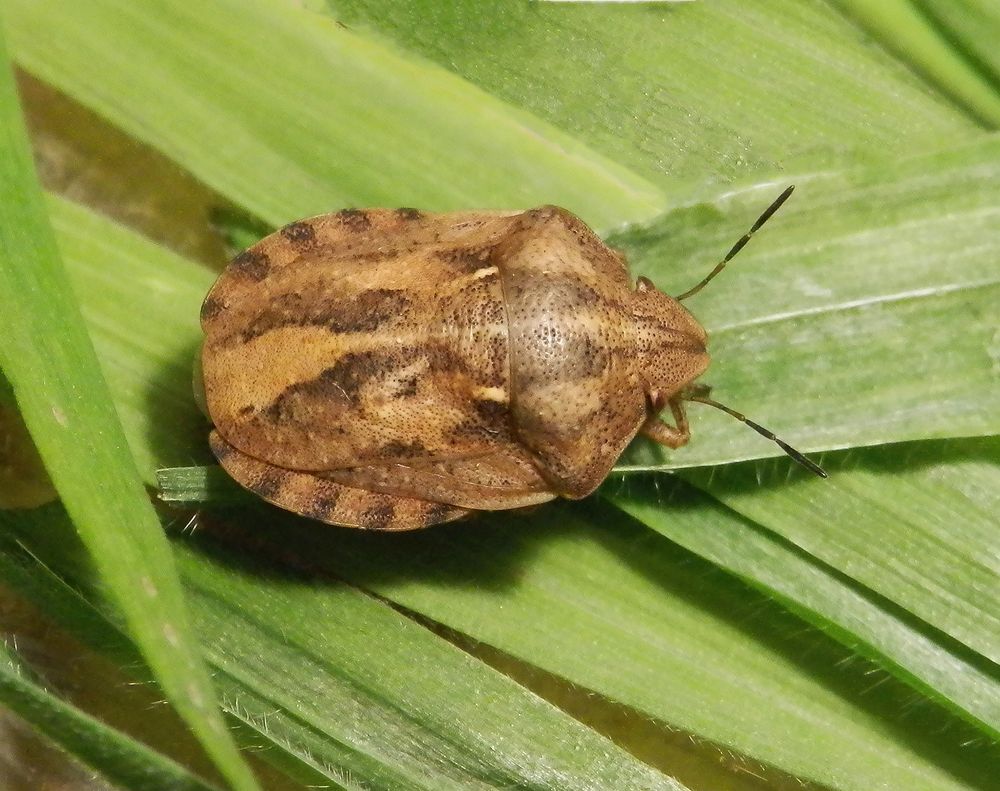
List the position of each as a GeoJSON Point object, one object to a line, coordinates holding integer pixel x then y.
{"type": "Point", "coordinates": [768, 212]}
{"type": "Point", "coordinates": [796, 455]}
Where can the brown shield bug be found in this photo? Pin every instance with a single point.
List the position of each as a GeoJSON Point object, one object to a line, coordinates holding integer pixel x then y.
{"type": "Point", "coordinates": [392, 369]}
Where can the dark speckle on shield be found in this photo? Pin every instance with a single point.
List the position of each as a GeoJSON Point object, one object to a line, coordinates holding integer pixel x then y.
{"type": "Point", "coordinates": [378, 517]}
{"type": "Point", "coordinates": [436, 513]}
{"type": "Point", "coordinates": [323, 505]}
{"type": "Point", "coordinates": [268, 485]}
{"type": "Point", "coordinates": [300, 234]}
{"type": "Point", "coordinates": [362, 312]}
{"type": "Point", "coordinates": [211, 308]}
{"type": "Point", "coordinates": [355, 219]}
{"type": "Point", "coordinates": [252, 264]}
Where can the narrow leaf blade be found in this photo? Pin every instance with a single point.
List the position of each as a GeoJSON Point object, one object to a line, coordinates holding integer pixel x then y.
{"type": "Point", "coordinates": [290, 137]}
{"type": "Point", "coordinates": [115, 755]}
{"type": "Point", "coordinates": [339, 687]}
{"type": "Point", "coordinates": [53, 371]}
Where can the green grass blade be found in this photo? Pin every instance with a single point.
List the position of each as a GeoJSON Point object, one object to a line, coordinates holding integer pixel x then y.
{"type": "Point", "coordinates": [662, 632]}
{"type": "Point", "coordinates": [53, 371]}
{"type": "Point", "coordinates": [433, 712]}
{"type": "Point", "coordinates": [288, 137]}
{"type": "Point", "coordinates": [926, 229]}
{"type": "Point", "coordinates": [802, 335]}
{"type": "Point", "coordinates": [117, 757]}
{"type": "Point", "coordinates": [196, 486]}
{"type": "Point", "coordinates": [592, 596]}
{"type": "Point", "coordinates": [972, 27]}
{"type": "Point", "coordinates": [864, 621]}
{"type": "Point", "coordinates": [665, 679]}
{"type": "Point", "coordinates": [863, 313]}
{"type": "Point", "coordinates": [900, 25]}
{"type": "Point", "coordinates": [902, 529]}
{"type": "Point", "coordinates": [355, 692]}
{"type": "Point", "coordinates": [957, 677]}
{"type": "Point", "coordinates": [734, 92]}
{"type": "Point", "coordinates": [24, 483]}
{"type": "Point", "coordinates": [145, 263]}
{"type": "Point", "coordinates": [147, 361]}
{"type": "Point", "coordinates": [692, 94]}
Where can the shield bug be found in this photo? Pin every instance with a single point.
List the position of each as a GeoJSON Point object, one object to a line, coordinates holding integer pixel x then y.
{"type": "Point", "coordinates": [392, 369]}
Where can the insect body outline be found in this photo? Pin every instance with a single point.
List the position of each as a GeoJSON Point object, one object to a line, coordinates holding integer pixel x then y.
{"type": "Point", "coordinates": [392, 369]}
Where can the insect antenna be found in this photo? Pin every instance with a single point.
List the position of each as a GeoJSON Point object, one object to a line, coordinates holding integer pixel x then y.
{"type": "Point", "coordinates": [796, 455]}
{"type": "Point", "coordinates": [768, 212]}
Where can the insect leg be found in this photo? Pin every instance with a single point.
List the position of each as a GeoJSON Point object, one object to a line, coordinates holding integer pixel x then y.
{"type": "Point", "coordinates": [664, 434]}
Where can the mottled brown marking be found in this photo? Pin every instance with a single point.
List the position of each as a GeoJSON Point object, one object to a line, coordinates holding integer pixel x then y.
{"type": "Point", "coordinates": [326, 500]}
{"type": "Point", "coordinates": [491, 412]}
{"type": "Point", "coordinates": [322, 507]}
{"type": "Point", "coordinates": [408, 214]}
{"type": "Point", "coordinates": [220, 448]}
{"type": "Point", "coordinates": [211, 308]}
{"type": "Point", "coordinates": [381, 254]}
{"type": "Point", "coordinates": [478, 429]}
{"type": "Point", "coordinates": [592, 358]}
{"type": "Point", "coordinates": [362, 312]}
{"type": "Point", "coordinates": [437, 513]}
{"type": "Point", "coordinates": [442, 357]}
{"type": "Point", "coordinates": [445, 359]}
{"type": "Point", "coordinates": [495, 375]}
{"type": "Point", "coordinates": [355, 219]}
{"type": "Point", "coordinates": [407, 387]}
{"type": "Point", "coordinates": [300, 234]}
{"type": "Point", "coordinates": [353, 370]}
{"type": "Point", "coordinates": [378, 517]}
{"type": "Point", "coordinates": [245, 411]}
{"type": "Point", "coordinates": [251, 264]}
{"type": "Point", "coordinates": [397, 449]}
{"type": "Point", "coordinates": [467, 260]}
{"type": "Point", "coordinates": [268, 485]}
{"type": "Point", "coordinates": [370, 310]}
{"type": "Point", "coordinates": [338, 384]}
